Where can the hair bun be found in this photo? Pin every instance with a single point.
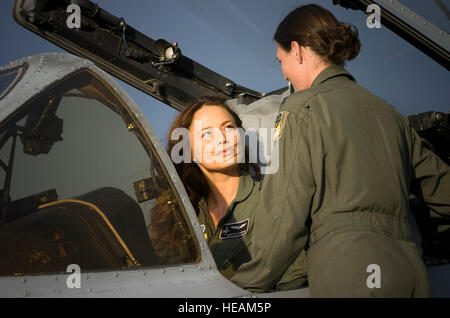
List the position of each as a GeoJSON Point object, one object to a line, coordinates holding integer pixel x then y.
{"type": "Point", "coordinates": [346, 45]}
{"type": "Point", "coordinates": [316, 27]}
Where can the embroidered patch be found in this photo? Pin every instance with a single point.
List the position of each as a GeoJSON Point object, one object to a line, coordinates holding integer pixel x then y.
{"type": "Point", "coordinates": [204, 231]}
{"type": "Point", "coordinates": [232, 230]}
{"type": "Point", "coordinates": [280, 122]}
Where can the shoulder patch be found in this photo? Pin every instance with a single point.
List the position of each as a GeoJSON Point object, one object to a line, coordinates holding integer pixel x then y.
{"type": "Point", "coordinates": [233, 230]}
{"type": "Point", "coordinates": [204, 231]}
{"type": "Point", "coordinates": [280, 123]}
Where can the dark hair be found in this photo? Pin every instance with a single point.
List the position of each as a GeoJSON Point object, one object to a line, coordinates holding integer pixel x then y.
{"type": "Point", "coordinates": [316, 27]}
{"type": "Point", "coordinates": [165, 233]}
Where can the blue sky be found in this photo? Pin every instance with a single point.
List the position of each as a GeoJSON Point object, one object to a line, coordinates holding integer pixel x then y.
{"type": "Point", "coordinates": [234, 38]}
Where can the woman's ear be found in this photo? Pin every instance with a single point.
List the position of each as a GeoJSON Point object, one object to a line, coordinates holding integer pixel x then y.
{"type": "Point", "coordinates": [296, 51]}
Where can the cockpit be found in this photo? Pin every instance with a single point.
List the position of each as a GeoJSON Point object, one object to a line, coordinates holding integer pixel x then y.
{"type": "Point", "coordinates": [79, 175]}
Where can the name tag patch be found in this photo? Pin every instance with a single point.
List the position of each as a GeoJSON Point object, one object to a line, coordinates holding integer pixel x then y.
{"type": "Point", "coordinates": [232, 230]}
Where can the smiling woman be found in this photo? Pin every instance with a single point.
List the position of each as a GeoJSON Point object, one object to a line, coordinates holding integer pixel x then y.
{"type": "Point", "coordinates": [217, 146]}
{"type": "Point", "coordinates": [210, 171]}
{"type": "Point", "coordinates": [223, 190]}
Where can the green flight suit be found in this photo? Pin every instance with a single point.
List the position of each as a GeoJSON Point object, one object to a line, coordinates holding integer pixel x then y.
{"type": "Point", "coordinates": [347, 163]}
{"type": "Point", "coordinates": [230, 242]}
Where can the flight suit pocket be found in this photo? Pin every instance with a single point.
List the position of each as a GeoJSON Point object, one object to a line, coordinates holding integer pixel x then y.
{"type": "Point", "coordinates": [231, 245]}
{"type": "Point", "coordinates": [238, 254]}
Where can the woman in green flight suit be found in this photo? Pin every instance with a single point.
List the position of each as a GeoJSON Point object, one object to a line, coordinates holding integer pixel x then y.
{"type": "Point", "coordinates": [348, 162]}
{"type": "Point", "coordinates": [220, 186]}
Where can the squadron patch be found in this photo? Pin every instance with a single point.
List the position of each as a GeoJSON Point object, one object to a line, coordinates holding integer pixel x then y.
{"type": "Point", "coordinates": [280, 122]}
{"type": "Point", "coordinates": [232, 230]}
{"type": "Point", "coordinates": [204, 231]}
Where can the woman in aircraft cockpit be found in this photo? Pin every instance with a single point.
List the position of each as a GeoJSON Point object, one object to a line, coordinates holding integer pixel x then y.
{"type": "Point", "coordinates": [223, 187]}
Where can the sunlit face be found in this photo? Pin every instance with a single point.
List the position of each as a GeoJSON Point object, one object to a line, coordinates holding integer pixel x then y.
{"type": "Point", "coordinates": [293, 70]}
{"type": "Point", "coordinates": [215, 139]}
{"type": "Point", "coordinates": [287, 61]}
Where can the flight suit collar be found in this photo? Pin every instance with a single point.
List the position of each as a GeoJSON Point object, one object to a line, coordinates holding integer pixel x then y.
{"type": "Point", "coordinates": [245, 188]}
{"type": "Point", "coordinates": [331, 72]}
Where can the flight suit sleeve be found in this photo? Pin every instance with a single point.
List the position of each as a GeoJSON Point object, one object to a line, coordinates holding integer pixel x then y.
{"type": "Point", "coordinates": [296, 275]}
{"type": "Point", "coordinates": [281, 222]}
{"type": "Point", "coordinates": [430, 176]}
